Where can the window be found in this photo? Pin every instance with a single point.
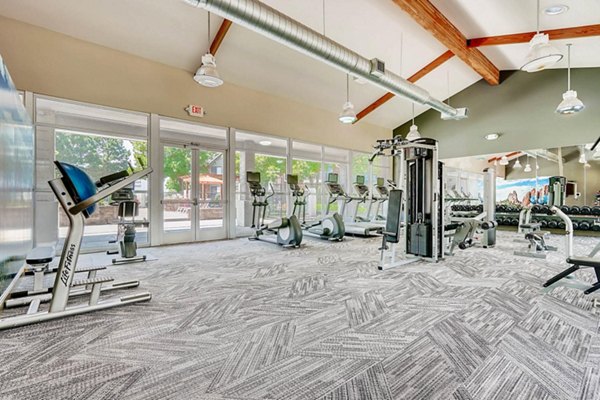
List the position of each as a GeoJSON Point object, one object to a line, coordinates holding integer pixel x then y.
{"type": "Point", "coordinates": [267, 155]}
{"type": "Point", "coordinates": [101, 155]}
{"type": "Point", "coordinates": [99, 140]}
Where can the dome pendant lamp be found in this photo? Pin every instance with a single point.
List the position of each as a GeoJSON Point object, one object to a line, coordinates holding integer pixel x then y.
{"type": "Point", "coordinates": [570, 104]}
{"type": "Point", "coordinates": [517, 164]}
{"type": "Point", "coordinates": [207, 75]}
{"type": "Point", "coordinates": [527, 166]}
{"type": "Point", "coordinates": [347, 116]}
{"type": "Point", "coordinates": [541, 53]}
{"type": "Point", "coordinates": [413, 132]}
{"type": "Point", "coordinates": [504, 160]}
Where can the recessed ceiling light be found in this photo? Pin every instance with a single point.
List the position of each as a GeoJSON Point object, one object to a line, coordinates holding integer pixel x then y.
{"type": "Point", "coordinates": [556, 9]}
{"type": "Point", "coordinates": [492, 136]}
{"type": "Point", "coordinates": [265, 143]}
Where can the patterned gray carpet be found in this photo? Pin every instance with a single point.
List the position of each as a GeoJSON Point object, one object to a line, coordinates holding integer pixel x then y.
{"type": "Point", "coordinates": [248, 320]}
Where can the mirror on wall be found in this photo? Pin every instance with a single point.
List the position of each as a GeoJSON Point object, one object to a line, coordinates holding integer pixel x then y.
{"type": "Point", "coordinates": [530, 178]}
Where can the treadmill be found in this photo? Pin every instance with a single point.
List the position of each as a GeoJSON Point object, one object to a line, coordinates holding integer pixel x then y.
{"type": "Point", "coordinates": [379, 201]}
{"type": "Point", "coordinates": [337, 193]}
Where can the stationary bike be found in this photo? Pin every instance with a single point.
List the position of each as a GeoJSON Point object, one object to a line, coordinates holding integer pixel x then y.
{"type": "Point", "coordinates": [287, 231]}
{"type": "Point", "coordinates": [329, 228]}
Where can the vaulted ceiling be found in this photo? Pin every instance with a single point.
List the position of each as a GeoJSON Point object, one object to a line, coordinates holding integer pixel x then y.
{"type": "Point", "coordinates": [173, 33]}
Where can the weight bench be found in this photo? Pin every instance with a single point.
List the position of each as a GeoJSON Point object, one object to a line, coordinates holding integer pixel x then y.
{"type": "Point", "coordinates": [566, 279]}
{"type": "Point", "coordinates": [577, 263]}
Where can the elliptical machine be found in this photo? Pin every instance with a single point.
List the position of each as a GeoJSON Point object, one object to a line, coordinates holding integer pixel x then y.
{"type": "Point", "coordinates": [287, 230]}
{"type": "Point", "coordinates": [127, 205]}
{"type": "Point", "coordinates": [331, 227]}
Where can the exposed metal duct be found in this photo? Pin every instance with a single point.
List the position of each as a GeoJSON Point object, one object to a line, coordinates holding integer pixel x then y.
{"type": "Point", "coordinates": [263, 19]}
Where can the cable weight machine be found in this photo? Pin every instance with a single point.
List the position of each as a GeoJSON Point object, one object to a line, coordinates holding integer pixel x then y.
{"type": "Point", "coordinates": [415, 225]}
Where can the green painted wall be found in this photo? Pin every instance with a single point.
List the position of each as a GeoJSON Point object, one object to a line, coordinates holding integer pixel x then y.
{"type": "Point", "coordinates": [521, 108]}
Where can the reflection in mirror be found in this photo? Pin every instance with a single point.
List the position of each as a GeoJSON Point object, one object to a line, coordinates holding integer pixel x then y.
{"type": "Point", "coordinates": [566, 177]}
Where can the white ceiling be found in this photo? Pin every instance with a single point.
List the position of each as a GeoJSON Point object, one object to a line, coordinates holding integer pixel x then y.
{"type": "Point", "coordinates": [173, 33]}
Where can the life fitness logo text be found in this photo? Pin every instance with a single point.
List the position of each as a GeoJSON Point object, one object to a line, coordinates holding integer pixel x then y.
{"type": "Point", "coordinates": [68, 262]}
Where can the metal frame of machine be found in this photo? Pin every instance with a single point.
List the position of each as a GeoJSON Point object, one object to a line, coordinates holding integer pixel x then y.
{"type": "Point", "coordinates": [418, 233]}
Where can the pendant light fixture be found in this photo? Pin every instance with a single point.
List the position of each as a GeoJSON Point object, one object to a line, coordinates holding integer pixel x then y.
{"type": "Point", "coordinates": [413, 132]}
{"type": "Point", "coordinates": [517, 164]}
{"type": "Point", "coordinates": [504, 160]}
{"type": "Point", "coordinates": [541, 53]}
{"type": "Point", "coordinates": [207, 75]}
{"type": "Point", "coordinates": [570, 104]}
{"type": "Point", "coordinates": [347, 116]}
{"type": "Point", "coordinates": [527, 166]}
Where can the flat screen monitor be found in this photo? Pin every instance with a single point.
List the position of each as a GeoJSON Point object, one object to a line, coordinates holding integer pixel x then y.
{"type": "Point", "coordinates": [292, 179]}
{"type": "Point", "coordinates": [252, 177]}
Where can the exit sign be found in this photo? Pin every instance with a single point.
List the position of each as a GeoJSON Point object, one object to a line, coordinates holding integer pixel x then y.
{"type": "Point", "coordinates": [195, 111]}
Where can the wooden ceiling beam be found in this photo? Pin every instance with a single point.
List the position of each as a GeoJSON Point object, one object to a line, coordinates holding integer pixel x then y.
{"type": "Point", "coordinates": [525, 37]}
{"type": "Point", "coordinates": [430, 18]}
{"type": "Point", "coordinates": [415, 77]}
{"type": "Point", "coordinates": [216, 43]}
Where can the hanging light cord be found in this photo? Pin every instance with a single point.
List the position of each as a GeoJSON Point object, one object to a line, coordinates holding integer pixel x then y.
{"type": "Point", "coordinates": [448, 83]}
{"type": "Point", "coordinates": [569, 66]}
{"type": "Point", "coordinates": [209, 32]}
{"type": "Point", "coordinates": [538, 16]}
{"type": "Point", "coordinates": [347, 88]}
{"type": "Point", "coordinates": [324, 18]}
{"type": "Point", "coordinates": [413, 113]}
{"type": "Point", "coordinates": [401, 52]}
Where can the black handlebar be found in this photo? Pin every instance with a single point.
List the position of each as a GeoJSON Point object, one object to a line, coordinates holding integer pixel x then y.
{"type": "Point", "coordinates": [111, 178]}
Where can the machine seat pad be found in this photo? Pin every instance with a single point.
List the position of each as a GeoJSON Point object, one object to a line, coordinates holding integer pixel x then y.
{"type": "Point", "coordinates": [452, 226]}
{"type": "Point", "coordinates": [40, 255]}
{"type": "Point", "coordinates": [585, 261]}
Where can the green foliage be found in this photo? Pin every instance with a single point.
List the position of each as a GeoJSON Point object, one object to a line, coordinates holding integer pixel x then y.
{"type": "Point", "coordinates": [97, 155]}
{"type": "Point", "coordinates": [307, 170]}
{"type": "Point", "coordinates": [271, 168]}
{"type": "Point", "coordinates": [177, 162]}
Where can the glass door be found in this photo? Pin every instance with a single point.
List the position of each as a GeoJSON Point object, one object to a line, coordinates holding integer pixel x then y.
{"type": "Point", "coordinates": [211, 194]}
{"type": "Point", "coordinates": [194, 194]}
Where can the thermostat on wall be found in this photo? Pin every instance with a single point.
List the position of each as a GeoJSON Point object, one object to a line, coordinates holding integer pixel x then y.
{"type": "Point", "coordinates": [195, 111]}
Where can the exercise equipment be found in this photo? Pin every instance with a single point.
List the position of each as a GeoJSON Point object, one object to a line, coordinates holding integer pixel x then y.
{"type": "Point", "coordinates": [127, 226]}
{"type": "Point", "coordinates": [585, 210]}
{"type": "Point", "coordinates": [331, 227]}
{"type": "Point", "coordinates": [575, 210]}
{"type": "Point", "coordinates": [380, 200]}
{"type": "Point", "coordinates": [287, 231]}
{"type": "Point", "coordinates": [465, 230]}
{"type": "Point", "coordinates": [78, 196]}
{"type": "Point", "coordinates": [537, 247]}
{"type": "Point", "coordinates": [557, 191]}
{"type": "Point", "coordinates": [564, 278]}
{"type": "Point", "coordinates": [421, 207]}
{"type": "Point", "coordinates": [337, 193]}
{"type": "Point", "coordinates": [363, 195]}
